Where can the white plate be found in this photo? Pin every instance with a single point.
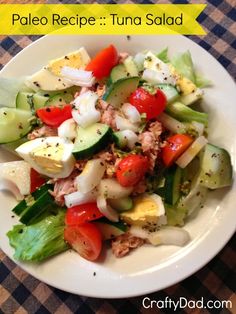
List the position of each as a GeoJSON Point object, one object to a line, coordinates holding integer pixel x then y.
{"type": "Point", "coordinates": [147, 269]}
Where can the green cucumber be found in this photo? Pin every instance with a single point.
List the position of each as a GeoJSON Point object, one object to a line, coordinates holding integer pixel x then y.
{"type": "Point", "coordinates": [20, 207]}
{"type": "Point", "coordinates": [39, 101]}
{"type": "Point", "coordinates": [41, 204]}
{"type": "Point", "coordinates": [172, 185]}
{"type": "Point", "coordinates": [131, 66]}
{"type": "Point", "coordinates": [121, 204]}
{"type": "Point", "coordinates": [109, 229]}
{"type": "Point", "coordinates": [59, 99]}
{"type": "Point", "coordinates": [119, 91]}
{"type": "Point", "coordinates": [24, 101]}
{"type": "Point", "coordinates": [117, 73]}
{"type": "Point", "coordinates": [169, 90]}
{"type": "Point", "coordinates": [14, 124]}
{"type": "Point", "coordinates": [119, 139]}
{"type": "Point", "coordinates": [91, 140]}
{"type": "Point", "coordinates": [216, 169]}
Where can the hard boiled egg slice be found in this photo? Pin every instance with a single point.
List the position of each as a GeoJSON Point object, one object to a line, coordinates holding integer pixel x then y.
{"type": "Point", "coordinates": [50, 156]}
{"type": "Point", "coordinates": [148, 212]}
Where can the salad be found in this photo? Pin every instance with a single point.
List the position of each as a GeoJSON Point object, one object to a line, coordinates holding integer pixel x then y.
{"type": "Point", "coordinates": [113, 149]}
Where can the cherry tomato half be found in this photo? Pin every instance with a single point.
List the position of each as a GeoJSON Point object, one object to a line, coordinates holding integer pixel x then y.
{"type": "Point", "coordinates": [36, 180]}
{"type": "Point", "coordinates": [86, 239]}
{"type": "Point", "coordinates": [54, 116]}
{"type": "Point", "coordinates": [176, 145]}
{"type": "Point", "coordinates": [131, 170]}
{"type": "Point", "coordinates": [103, 62]}
{"type": "Point", "coordinates": [147, 103]}
{"type": "Point", "coordinates": [80, 214]}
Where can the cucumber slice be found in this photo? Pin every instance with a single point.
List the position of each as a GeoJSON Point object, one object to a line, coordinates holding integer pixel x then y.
{"type": "Point", "coordinates": [59, 99]}
{"type": "Point", "coordinates": [131, 66]}
{"type": "Point", "coordinates": [118, 72]}
{"type": "Point", "coordinates": [119, 139]}
{"type": "Point", "coordinates": [109, 229]}
{"type": "Point", "coordinates": [216, 169]}
{"type": "Point", "coordinates": [191, 98]}
{"type": "Point", "coordinates": [39, 101]}
{"type": "Point", "coordinates": [172, 185]}
{"type": "Point", "coordinates": [41, 204]}
{"type": "Point", "coordinates": [170, 91]}
{"type": "Point", "coordinates": [24, 101]}
{"type": "Point", "coordinates": [119, 91]}
{"type": "Point", "coordinates": [91, 140]}
{"type": "Point", "coordinates": [14, 124]}
{"type": "Point", "coordinates": [121, 204]}
{"type": "Point", "coordinates": [20, 207]}
{"type": "Point", "coordinates": [9, 88]}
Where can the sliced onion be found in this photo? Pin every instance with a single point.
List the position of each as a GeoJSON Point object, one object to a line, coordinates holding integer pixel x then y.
{"type": "Point", "coordinates": [86, 114]}
{"type": "Point", "coordinates": [78, 77]}
{"type": "Point", "coordinates": [67, 129]}
{"type": "Point", "coordinates": [191, 152]}
{"type": "Point", "coordinates": [130, 137]}
{"type": "Point", "coordinates": [131, 113]}
{"type": "Point", "coordinates": [110, 188]}
{"type": "Point", "coordinates": [78, 198]}
{"type": "Point", "coordinates": [10, 186]}
{"type": "Point", "coordinates": [170, 123]}
{"type": "Point", "coordinates": [125, 124]}
{"type": "Point", "coordinates": [91, 175]}
{"type": "Point", "coordinates": [139, 60]}
{"type": "Point", "coordinates": [106, 209]}
{"type": "Point", "coordinates": [169, 236]}
{"type": "Point", "coordinates": [139, 232]}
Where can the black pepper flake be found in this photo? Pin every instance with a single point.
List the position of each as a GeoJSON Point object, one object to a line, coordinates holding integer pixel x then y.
{"type": "Point", "coordinates": [128, 37]}
{"type": "Point", "coordinates": [101, 163]}
{"type": "Point", "coordinates": [20, 126]}
{"type": "Point", "coordinates": [208, 174]}
{"type": "Point", "coordinates": [12, 216]}
{"type": "Point", "coordinates": [48, 109]}
{"type": "Point", "coordinates": [67, 58]}
{"type": "Point", "coordinates": [60, 99]}
{"type": "Point", "coordinates": [36, 84]}
{"type": "Point", "coordinates": [94, 274]}
{"type": "Point", "coordinates": [20, 231]}
{"type": "Point", "coordinates": [59, 80]}
{"type": "Point", "coordinates": [4, 113]}
{"type": "Point", "coordinates": [198, 193]}
{"type": "Point", "coordinates": [99, 132]}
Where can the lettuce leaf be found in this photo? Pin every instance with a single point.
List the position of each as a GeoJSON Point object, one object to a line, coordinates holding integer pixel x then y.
{"type": "Point", "coordinates": [163, 55]}
{"type": "Point", "coordinates": [183, 63]}
{"type": "Point", "coordinates": [39, 241]}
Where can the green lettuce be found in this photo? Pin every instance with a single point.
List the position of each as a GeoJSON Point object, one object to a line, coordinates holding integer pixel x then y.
{"type": "Point", "coordinates": [183, 63]}
{"type": "Point", "coordinates": [39, 241]}
{"type": "Point", "coordinates": [163, 55]}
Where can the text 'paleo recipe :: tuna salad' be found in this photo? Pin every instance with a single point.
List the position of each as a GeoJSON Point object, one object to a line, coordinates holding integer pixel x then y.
{"type": "Point", "coordinates": [113, 147]}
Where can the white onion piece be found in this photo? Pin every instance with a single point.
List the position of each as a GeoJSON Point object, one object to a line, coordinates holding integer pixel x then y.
{"type": "Point", "coordinates": [131, 113]}
{"type": "Point", "coordinates": [191, 152]}
{"type": "Point", "coordinates": [199, 127]}
{"type": "Point", "coordinates": [78, 77]}
{"type": "Point", "coordinates": [139, 60]}
{"type": "Point", "coordinates": [91, 175]}
{"type": "Point", "coordinates": [10, 186]}
{"type": "Point", "coordinates": [139, 232]}
{"type": "Point", "coordinates": [67, 129]}
{"type": "Point", "coordinates": [17, 172]}
{"type": "Point", "coordinates": [106, 209]}
{"type": "Point", "coordinates": [170, 123]}
{"type": "Point", "coordinates": [125, 124]}
{"type": "Point", "coordinates": [169, 236]}
{"type": "Point", "coordinates": [130, 137]}
{"type": "Point", "coordinates": [86, 114]}
{"type": "Point", "coordinates": [110, 188]}
{"type": "Point", "coordinates": [78, 198]}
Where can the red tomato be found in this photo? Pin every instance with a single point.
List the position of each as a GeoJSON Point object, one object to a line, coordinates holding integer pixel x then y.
{"type": "Point", "coordinates": [176, 145]}
{"type": "Point", "coordinates": [80, 214]}
{"type": "Point", "coordinates": [36, 180]}
{"type": "Point", "coordinates": [103, 62]}
{"type": "Point", "coordinates": [86, 239]}
{"type": "Point", "coordinates": [54, 116]}
{"type": "Point", "coordinates": [131, 170]}
{"type": "Point", "coordinates": [147, 103]}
